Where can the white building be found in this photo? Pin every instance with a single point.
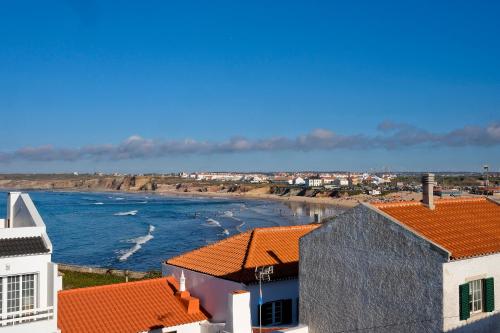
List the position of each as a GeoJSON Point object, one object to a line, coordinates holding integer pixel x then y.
{"type": "Point", "coordinates": [404, 267]}
{"type": "Point", "coordinates": [29, 281]}
{"type": "Point", "coordinates": [314, 182]}
{"type": "Point", "coordinates": [299, 181]}
{"type": "Point", "coordinates": [230, 264]}
{"type": "Point", "coordinates": [341, 182]}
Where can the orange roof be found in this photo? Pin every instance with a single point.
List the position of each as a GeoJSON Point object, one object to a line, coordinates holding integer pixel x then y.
{"type": "Point", "coordinates": [125, 307]}
{"type": "Point", "coordinates": [465, 227]}
{"type": "Point", "coordinates": [235, 258]}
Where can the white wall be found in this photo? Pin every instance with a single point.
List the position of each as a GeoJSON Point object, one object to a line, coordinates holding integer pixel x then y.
{"type": "Point", "coordinates": [459, 272]}
{"type": "Point", "coordinates": [274, 291]}
{"type": "Point", "coordinates": [47, 286]}
{"type": "Point", "coordinates": [211, 291]}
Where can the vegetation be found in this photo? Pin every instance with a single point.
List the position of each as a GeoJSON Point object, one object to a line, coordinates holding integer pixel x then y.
{"type": "Point", "coordinates": [72, 280]}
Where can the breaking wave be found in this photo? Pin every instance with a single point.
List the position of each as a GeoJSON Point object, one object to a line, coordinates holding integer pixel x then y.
{"type": "Point", "coordinates": [238, 227]}
{"type": "Point", "coordinates": [138, 242]}
{"type": "Point", "coordinates": [228, 213]}
{"type": "Point", "coordinates": [213, 223]}
{"type": "Point", "coordinates": [98, 203]}
{"type": "Point", "coordinates": [132, 212]}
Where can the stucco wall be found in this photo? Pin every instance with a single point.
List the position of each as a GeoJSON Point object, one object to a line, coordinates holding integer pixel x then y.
{"type": "Point", "coordinates": [211, 291]}
{"type": "Point", "coordinates": [364, 272]}
{"type": "Point", "coordinates": [40, 265]}
{"type": "Point", "coordinates": [458, 272]}
{"type": "Point", "coordinates": [274, 291]}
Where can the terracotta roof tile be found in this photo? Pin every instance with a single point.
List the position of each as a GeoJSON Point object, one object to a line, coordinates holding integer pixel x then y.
{"type": "Point", "coordinates": [466, 227]}
{"type": "Point", "coordinates": [235, 258]}
{"type": "Point", "coordinates": [124, 307]}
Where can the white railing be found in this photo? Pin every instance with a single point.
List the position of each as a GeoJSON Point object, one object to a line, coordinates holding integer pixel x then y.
{"type": "Point", "coordinates": [26, 316]}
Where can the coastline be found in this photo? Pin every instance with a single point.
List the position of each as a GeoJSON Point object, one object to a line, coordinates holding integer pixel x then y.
{"type": "Point", "coordinates": [327, 201]}
{"type": "Point", "coordinates": [339, 202]}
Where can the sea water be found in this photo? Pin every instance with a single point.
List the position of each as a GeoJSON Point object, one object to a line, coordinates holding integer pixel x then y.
{"type": "Point", "coordinates": [139, 231]}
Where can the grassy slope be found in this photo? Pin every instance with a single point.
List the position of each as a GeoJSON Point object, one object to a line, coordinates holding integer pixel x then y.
{"type": "Point", "coordinates": [72, 280]}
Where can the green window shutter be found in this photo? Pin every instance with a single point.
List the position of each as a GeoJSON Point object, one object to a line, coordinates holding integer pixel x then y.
{"type": "Point", "coordinates": [489, 295]}
{"type": "Point", "coordinates": [464, 301]}
{"type": "Point", "coordinates": [287, 311]}
{"type": "Point", "coordinates": [267, 309]}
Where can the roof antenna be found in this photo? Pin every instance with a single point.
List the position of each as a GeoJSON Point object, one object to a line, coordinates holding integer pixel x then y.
{"type": "Point", "coordinates": [486, 181]}
{"type": "Point", "coordinates": [262, 274]}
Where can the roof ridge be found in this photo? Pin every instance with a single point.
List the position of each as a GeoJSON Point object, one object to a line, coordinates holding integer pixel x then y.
{"type": "Point", "coordinates": [247, 252]}
{"type": "Point", "coordinates": [286, 227]}
{"type": "Point", "coordinates": [112, 286]}
{"type": "Point", "coordinates": [415, 203]}
{"type": "Point", "coordinates": [220, 241]}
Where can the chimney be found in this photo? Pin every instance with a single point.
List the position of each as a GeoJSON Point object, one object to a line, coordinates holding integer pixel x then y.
{"type": "Point", "coordinates": [238, 313]}
{"type": "Point", "coordinates": [182, 282]}
{"type": "Point", "coordinates": [192, 304]}
{"type": "Point", "coordinates": [428, 190]}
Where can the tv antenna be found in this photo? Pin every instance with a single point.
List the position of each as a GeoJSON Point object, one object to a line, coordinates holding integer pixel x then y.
{"type": "Point", "coordinates": [486, 169]}
{"type": "Point", "coordinates": [262, 274]}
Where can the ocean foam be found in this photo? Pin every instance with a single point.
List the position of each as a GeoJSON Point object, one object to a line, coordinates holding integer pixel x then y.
{"type": "Point", "coordinates": [213, 223]}
{"type": "Point", "coordinates": [98, 203]}
{"type": "Point", "coordinates": [130, 213]}
{"type": "Point", "coordinates": [138, 242]}
{"type": "Point", "coordinates": [238, 227]}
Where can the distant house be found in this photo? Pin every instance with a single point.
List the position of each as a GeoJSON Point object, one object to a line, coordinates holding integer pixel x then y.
{"type": "Point", "coordinates": [341, 182]}
{"type": "Point", "coordinates": [404, 267]}
{"type": "Point", "coordinates": [230, 264]}
{"type": "Point", "coordinates": [157, 305]}
{"type": "Point", "coordinates": [299, 181]}
{"type": "Point", "coordinates": [29, 280]}
{"type": "Point", "coordinates": [314, 182]}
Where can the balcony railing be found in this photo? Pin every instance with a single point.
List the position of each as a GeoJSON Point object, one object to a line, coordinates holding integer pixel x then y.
{"type": "Point", "coordinates": [26, 316]}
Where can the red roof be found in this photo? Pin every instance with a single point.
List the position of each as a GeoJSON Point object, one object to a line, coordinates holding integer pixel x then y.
{"type": "Point", "coordinates": [466, 227]}
{"type": "Point", "coordinates": [126, 307]}
{"type": "Point", "coordinates": [235, 258]}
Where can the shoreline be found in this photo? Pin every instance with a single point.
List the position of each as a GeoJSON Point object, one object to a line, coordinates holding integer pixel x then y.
{"type": "Point", "coordinates": [344, 203]}
{"type": "Point", "coordinates": [326, 201]}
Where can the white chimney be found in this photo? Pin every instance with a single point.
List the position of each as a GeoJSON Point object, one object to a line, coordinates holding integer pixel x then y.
{"type": "Point", "coordinates": [428, 190]}
{"type": "Point", "coordinates": [238, 313]}
{"type": "Point", "coordinates": [182, 282]}
{"type": "Point", "coordinates": [11, 201]}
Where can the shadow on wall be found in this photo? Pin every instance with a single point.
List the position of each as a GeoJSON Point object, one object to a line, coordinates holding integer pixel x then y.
{"type": "Point", "coordinates": [490, 324]}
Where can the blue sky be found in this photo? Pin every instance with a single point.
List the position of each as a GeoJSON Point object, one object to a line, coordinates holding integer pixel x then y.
{"type": "Point", "coordinates": [145, 86]}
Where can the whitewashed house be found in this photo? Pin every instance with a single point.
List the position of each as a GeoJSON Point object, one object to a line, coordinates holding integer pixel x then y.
{"type": "Point", "coordinates": [218, 269]}
{"type": "Point", "coordinates": [29, 280]}
{"type": "Point", "coordinates": [314, 182]}
{"type": "Point", "coordinates": [430, 266]}
{"type": "Point", "coordinates": [341, 182]}
{"type": "Point", "coordinates": [299, 181]}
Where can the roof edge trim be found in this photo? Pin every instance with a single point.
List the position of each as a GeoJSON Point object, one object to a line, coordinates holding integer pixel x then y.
{"type": "Point", "coordinates": [404, 226]}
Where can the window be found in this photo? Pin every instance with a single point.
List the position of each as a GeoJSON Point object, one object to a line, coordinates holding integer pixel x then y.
{"type": "Point", "coordinates": [277, 312]}
{"type": "Point", "coordinates": [13, 298]}
{"type": "Point", "coordinates": [28, 292]}
{"type": "Point", "coordinates": [476, 296]}
{"type": "Point", "coordinates": [18, 293]}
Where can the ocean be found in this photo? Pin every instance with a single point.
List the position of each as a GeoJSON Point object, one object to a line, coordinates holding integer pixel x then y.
{"type": "Point", "coordinates": [139, 231]}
